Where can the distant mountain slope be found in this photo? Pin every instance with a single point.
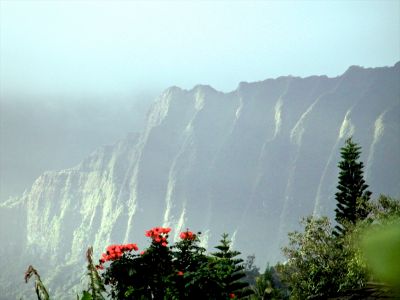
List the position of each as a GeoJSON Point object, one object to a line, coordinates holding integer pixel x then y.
{"type": "Point", "coordinates": [41, 133]}
{"type": "Point", "coordinates": [251, 163]}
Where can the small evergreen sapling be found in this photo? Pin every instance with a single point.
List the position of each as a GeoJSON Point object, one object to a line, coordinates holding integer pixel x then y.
{"type": "Point", "coordinates": [230, 270]}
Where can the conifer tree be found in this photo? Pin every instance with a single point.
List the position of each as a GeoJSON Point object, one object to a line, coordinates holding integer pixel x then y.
{"type": "Point", "coordinates": [352, 196]}
{"type": "Point", "coordinates": [230, 270]}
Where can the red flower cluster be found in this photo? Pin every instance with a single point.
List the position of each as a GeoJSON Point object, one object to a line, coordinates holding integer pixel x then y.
{"type": "Point", "coordinates": [115, 252]}
{"type": "Point", "coordinates": [159, 235]}
{"type": "Point", "coordinates": [187, 235]}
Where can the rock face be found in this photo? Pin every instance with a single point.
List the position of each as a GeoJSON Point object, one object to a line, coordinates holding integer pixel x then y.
{"type": "Point", "coordinates": [251, 163]}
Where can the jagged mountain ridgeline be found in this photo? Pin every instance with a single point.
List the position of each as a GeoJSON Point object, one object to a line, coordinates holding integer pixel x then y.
{"type": "Point", "coordinates": [251, 163]}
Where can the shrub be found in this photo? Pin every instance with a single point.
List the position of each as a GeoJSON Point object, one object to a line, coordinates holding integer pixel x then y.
{"type": "Point", "coordinates": [181, 271]}
{"type": "Point", "coordinates": [320, 264]}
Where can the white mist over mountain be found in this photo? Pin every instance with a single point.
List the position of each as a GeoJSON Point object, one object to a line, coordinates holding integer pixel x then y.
{"type": "Point", "coordinates": [78, 74]}
{"type": "Point", "coordinates": [44, 134]}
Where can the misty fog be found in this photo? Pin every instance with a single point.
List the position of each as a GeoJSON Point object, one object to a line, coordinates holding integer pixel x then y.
{"type": "Point", "coordinates": [49, 133]}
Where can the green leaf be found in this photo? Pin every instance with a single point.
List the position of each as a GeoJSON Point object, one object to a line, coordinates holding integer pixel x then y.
{"type": "Point", "coordinates": [382, 251]}
{"type": "Point", "coordinates": [86, 296]}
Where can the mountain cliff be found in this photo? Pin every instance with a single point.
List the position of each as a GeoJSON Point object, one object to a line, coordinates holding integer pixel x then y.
{"type": "Point", "coordinates": [251, 162]}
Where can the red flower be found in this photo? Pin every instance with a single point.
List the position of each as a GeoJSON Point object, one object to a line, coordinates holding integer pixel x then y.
{"type": "Point", "coordinates": [180, 273]}
{"type": "Point", "coordinates": [187, 235]}
{"type": "Point", "coordinates": [114, 252]}
{"type": "Point", "coordinates": [132, 247]}
{"type": "Point", "coordinates": [158, 235]}
{"type": "Point", "coordinates": [232, 296]}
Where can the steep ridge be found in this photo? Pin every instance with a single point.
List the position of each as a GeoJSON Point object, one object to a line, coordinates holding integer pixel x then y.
{"type": "Point", "coordinates": [250, 163]}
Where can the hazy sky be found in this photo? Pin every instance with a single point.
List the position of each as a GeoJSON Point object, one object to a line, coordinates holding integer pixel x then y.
{"type": "Point", "coordinates": [119, 47]}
